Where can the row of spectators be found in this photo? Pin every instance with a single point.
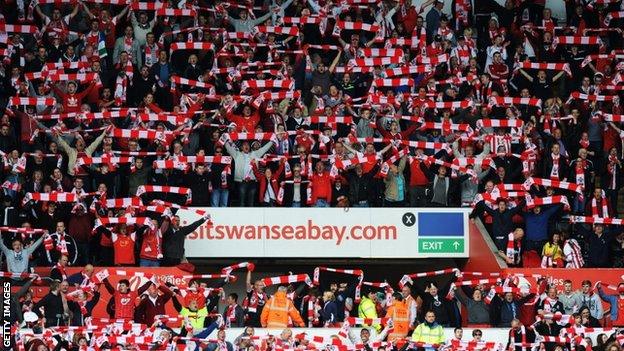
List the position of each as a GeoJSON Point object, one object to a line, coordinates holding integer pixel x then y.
{"type": "Point", "coordinates": [417, 312]}
{"type": "Point", "coordinates": [375, 104]}
{"type": "Point", "coordinates": [350, 104]}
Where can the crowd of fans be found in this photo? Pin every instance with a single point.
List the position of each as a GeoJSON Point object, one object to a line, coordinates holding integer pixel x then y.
{"type": "Point", "coordinates": [412, 317]}
{"type": "Point", "coordinates": [303, 103]}
{"type": "Point", "coordinates": [119, 113]}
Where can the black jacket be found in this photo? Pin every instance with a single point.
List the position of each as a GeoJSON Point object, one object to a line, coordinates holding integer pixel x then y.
{"type": "Point", "coordinates": [53, 309]}
{"type": "Point", "coordinates": [503, 312]}
{"type": "Point", "coordinates": [361, 187]}
{"type": "Point", "coordinates": [199, 188]}
{"type": "Point", "coordinates": [174, 239]}
{"type": "Point", "coordinates": [502, 223]}
{"type": "Point", "coordinates": [515, 336]}
{"type": "Point", "coordinates": [239, 317]}
{"type": "Point", "coordinates": [546, 329]}
{"type": "Point", "coordinates": [289, 194]}
{"type": "Point", "coordinates": [216, 170]}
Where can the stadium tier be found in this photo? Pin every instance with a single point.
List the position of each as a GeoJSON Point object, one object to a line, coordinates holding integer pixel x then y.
{"type": "Point", "coordinates": [281, 175]}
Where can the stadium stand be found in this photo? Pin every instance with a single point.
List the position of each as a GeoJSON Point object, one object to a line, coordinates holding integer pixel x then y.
{"type": "Point", "coordinates": [127, 124]}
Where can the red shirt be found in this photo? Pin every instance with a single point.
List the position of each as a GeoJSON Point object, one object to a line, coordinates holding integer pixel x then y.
{"type": "Point", "coordinates": [245, 124]}
{"type": "Point", "coordinates": [124, 305]}
{"type": "Point", "coordinates": [72, 102]}
{"type": "Point", "coordinates": [305, 141]}
{"type": "Point", "coordinates": [410, 19]}
{"type": "Point", "coordinates": [498, 71]}
{"type": "Point", "coordinates": [611, 138]}
{"type": "Point", "coordinates": [417, 176]}
{"type": "Point", "coordinates": [321, 186]}
{"type": "Point", "coordinates": [124, 248]}
{"type": "Point", "coordinates": [151, 246]}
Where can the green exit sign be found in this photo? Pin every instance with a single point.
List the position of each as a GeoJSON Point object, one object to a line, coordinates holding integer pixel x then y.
{"type": "Point", "coordinates": [441, 245]}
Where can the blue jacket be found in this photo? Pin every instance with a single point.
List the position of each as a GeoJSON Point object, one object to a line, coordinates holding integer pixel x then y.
{"type": "Point", "coordinates": [537, 224]}
{"type": "Point", "coordinates": [612, 300]}
{"type": "Point", "coordinates": [329, 312]}
{"type": "Point", "coordinates": [433, 22]}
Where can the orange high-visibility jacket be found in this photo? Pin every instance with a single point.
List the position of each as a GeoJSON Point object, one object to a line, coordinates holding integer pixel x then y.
{"type": "Point", "coordinates": [400, 318]}
{"type": "Point", "coordinates": [277, 310]}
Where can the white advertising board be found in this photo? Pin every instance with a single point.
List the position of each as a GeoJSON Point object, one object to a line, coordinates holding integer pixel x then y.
{"type": "Point", "coordinates": [329, 232]}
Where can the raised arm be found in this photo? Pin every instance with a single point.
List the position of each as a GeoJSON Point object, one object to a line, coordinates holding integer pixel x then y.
{"type": "Point", "coordinates": [263, 150]}
{"type": "Point", "coordinates": [94, 145]}
{"type": "Point", "coordinates": [409, 131]}
{"type": "Point", "coordinates": [29, 250]}
{"type": "Point", "coordinates": [557, 76]}
{"type": "Point", "coordinates": [455, 146]}
{"type": "Point", "coordinates": [248, 281]}
{"type": "Point", "coordinates": [263, 18]}
{"type": "Point", "coordinates": [164, 225]}
{"type": "Point", "coordinates": [24, 289]}
{"type": "Point", "coordinates": [5, 249]}
{"type": "Point", "coordinates": [349, 148]}
{"type": "Point", "coordinates": [63, 144]}
{"type": "Point", "coordinates": [231, 150]}
{"type": "Point", "coordinates": [108, 286]}
{"type": "Point", "coordinates": [526, 75]}
{"type": "Point", "coordinates": [75, 10]}
{"type": "Point", "coordinates": [385, 149]}
{"type": "Point", "coordinates": [91, 303]}
{"type": "Point", "coordinates": [122, 13]}
{"type": "Point", "coordinates": [143, 288]}
{"type": "Point", "coordinates": [402, 163]}
{"type": "Point", "coordinates": [167, 293]}
{"type": "Point", "coordinates": [176, 303]}
{"type": "Point", "coordinates": [315, 6]}
{"type": "Point", "coordinates": [133, 19]}
{"type": "Point", "coordinates": [45, 17]}
{"type": "Point", "coordinates": [191, 227]}
{"type": "Point", "coordinates": [332, 67]}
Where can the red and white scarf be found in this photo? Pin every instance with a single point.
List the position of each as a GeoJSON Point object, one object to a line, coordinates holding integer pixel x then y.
{"type": "Point", "coordinates": [612, 169]}
{"type": "Point", "coordinates": [579, 169]}
{"type": "Point", "coordinates": [61, 244]}
{"type": "Point", "coordinates": [311, 302]}
{"type": "Point", "coordinates": [574, 257]}
{"type": "Point", "coordinates": [357, 272]}
{"type": "Point", "coordinates": [605, 207]}
{"type": "Point", "coordinates": [554, 171]}
{"type": "Point", "coordinates": [512, 252]}
{"type": "Point", "coordinates": [61, 269]}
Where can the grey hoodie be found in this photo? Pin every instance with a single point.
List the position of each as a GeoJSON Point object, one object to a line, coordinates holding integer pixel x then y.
{"type": "Point", "coordinates": [571, 303]}
{"type": "Point", "coordinates": [242, 161]}
{"type": "Point", "coordinates": [18, 263]}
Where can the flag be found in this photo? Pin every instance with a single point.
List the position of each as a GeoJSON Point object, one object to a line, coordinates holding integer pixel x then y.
{"type": "Point", "coordinates": [101, 47]}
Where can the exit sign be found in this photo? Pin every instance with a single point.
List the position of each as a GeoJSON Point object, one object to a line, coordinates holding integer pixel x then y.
{"type": "Point", "coordinates": [446, 245]}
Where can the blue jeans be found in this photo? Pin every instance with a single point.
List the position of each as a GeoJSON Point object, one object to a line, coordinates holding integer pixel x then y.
{"type": "Point", "coordinates": [219, 197]}
{"type": "Point", "coordinates": [360, 204]}
{"type": "Point", "coordinates": [247, 193]}
{"type": "Point", "coordinates": [296, 204]}
{"type": "Point", "coordinates": [321, 203]}
{"type": "Point", "coordinates": [143, 262]}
